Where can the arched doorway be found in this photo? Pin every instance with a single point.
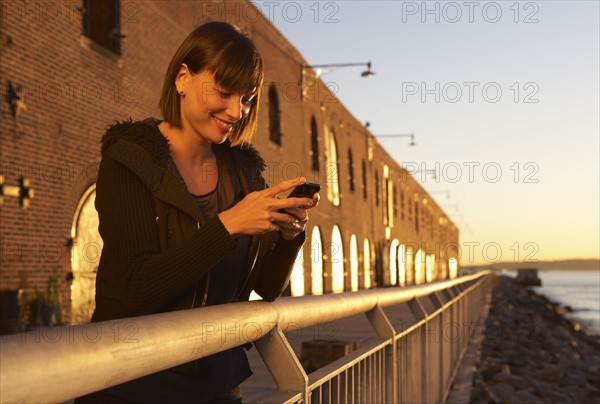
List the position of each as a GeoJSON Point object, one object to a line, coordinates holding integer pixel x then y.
{"type": "Point", "coordinates": [86, 249]}
{"type": "Point", "coordinates": [297, 278]}
{"type": "Point", "coordinates": [353, 263]}
{"type": "Point", "coordinates": [402, 265]}
{"type": "Point", "coordinates": [419, 267]}
{"type": "Point", "coordinates": [367, 263]}
{"type": "Point", "coordinates": [316, 259]}
{"type": "Point", "coordinates": [337, 261]}
{"type": "Point", "coordinates": [393, 262]}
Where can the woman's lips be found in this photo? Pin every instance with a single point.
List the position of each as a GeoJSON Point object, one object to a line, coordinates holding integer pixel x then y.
{"type": "Point", "coordinates": [223, 126]}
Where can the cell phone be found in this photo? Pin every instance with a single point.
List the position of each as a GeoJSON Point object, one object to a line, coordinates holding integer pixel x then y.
{"type": "Point", "coordinates": [306, 190]}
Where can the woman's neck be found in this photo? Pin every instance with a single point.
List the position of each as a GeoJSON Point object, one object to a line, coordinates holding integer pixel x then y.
{"type": "Point", "coordinates": [187, 149]}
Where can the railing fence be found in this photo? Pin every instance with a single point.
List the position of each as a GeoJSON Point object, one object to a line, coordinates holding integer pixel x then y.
{"type": "Point", "coordinates": [415, 361]}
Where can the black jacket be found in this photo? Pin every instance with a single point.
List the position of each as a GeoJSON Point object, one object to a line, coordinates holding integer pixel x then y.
{"type": "Point", "coordinates": [156, 255]}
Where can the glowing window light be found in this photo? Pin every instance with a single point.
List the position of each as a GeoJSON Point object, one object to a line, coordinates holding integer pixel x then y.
{"type": "Point", "coordinates": [394, 262]}
{"type": "Point", "coordinates": [353, 263]}
{"type": "Point", "coordinates": [402, 265]}
{"type": "Point", "coordinates": [316, 259]}
{"type": "Point", "coordinates": [337, 261]}
{"type": "Point", "coordinates": [367, 263]}
{"type": "Point", "coordinates": [297, 278]}
{"type": "Point", "coordinates": [453, 268]}
{"type": "Point", "coordinates": [419, 268]}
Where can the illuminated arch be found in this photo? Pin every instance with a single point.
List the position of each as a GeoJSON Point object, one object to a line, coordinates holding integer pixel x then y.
{"type": "Point", "coordinates": [316, 259]}
{"type": "Point", "coordinates": [337, 261]}
{"type": "Point", "coordinates": [393, 262]}
{"type": "Point", "coordinates": [86, 249]}
{"type": "Point", "coordinates": [429, 268]}
{"type": "Point", "coordinates": [367, 263]}
{"type": "Point", "coordinates": [402, 265]}
{"type": "Point", "coordinates": [419, 267]}
{"type": "Point", "coordinates": [331, 168]}
{"type": "Point", "coordinates": [410, 265]}
{"type": "Point", "coordinates": [297, 277]}
{"type": "Point", "coordinates": [353, 263]}
{"type": "Point", "coordinates": [452, 268]}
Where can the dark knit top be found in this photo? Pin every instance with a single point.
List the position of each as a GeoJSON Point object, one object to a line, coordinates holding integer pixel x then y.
{"type": "Point", "coordinates": [159, 250]}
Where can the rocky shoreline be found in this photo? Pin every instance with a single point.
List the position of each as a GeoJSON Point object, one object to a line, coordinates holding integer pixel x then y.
{"type": "Point", "coordinates": [532, 354]}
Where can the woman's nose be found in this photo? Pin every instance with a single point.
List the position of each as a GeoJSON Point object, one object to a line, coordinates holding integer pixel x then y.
{"type": "Point", "coordinates": [234, 108]}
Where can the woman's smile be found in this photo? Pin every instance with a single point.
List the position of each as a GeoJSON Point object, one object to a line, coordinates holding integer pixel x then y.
{"type": "Point", "coordinates": [224, 126]}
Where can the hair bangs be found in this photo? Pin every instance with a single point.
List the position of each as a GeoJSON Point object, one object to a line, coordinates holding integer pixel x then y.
{"type": "Point", "coordinates": [238, 67]}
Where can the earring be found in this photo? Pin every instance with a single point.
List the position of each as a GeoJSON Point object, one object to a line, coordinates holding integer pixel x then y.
{"type": "Point", "coordinates": [181, 92]}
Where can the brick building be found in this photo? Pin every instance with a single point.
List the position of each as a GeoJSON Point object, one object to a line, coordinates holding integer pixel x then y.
{"type": "Point", "coordinates": [70, 68]}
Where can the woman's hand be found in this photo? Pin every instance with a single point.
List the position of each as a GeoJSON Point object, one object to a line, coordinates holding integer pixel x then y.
{"type": "Point", "coordinates": [289, 230]}
{"type": "Point", "coordinates": [258, 212]}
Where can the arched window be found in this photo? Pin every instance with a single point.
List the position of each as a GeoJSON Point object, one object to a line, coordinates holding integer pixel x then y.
{"type": "Point", "coordinates": [376, 188]}
{"type": "Point", "coordinates": [332, 169]}
{"type": "Point", "coordinates": [364, 179]}
{"type": "Point", "coordinates": [416, 216]}
{"type": "Point", "coordinates": [402, 205]}
{"type": "Point", "coordinates": [351, 170]}
{"type": "Point", "coordinates": [314, 143]}
{"type": "Point", "coordinates": [101, 23]}
{"type": "Point", "coordinates": [274, 116]}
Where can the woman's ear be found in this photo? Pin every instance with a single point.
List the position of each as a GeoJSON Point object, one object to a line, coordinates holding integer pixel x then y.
{"type": "Point", "coordinates": [182, 78]}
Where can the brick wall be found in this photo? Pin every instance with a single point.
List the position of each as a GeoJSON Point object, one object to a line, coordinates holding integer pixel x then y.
{"type": "Point", "coordinates": [73, 89]}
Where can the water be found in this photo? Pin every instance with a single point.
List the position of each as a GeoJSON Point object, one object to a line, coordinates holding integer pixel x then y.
{"type": "Point", "coordinates": [579, 290]}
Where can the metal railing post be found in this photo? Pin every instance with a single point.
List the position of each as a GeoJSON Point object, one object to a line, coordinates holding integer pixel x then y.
{"type": "Point", "coordinates": [420, 314]}
{"type": "Point", "coordinates": [384, 329]}
{"type": "Point", "coordinates": [282, 362]}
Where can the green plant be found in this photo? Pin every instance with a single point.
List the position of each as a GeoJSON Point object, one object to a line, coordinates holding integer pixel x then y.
{"type": "Point", "coordinates": [44, 308]}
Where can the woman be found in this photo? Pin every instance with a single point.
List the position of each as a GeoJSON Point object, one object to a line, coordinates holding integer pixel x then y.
{"type": "Point", "coordinates": [186, 217]}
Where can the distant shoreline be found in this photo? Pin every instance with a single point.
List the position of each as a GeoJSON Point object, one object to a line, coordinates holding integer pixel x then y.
{"type": "Point", "coordinates": [563, 265]}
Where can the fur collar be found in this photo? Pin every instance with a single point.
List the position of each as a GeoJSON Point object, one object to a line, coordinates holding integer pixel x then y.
{"type": "Point", "coordinates": [146, 135]}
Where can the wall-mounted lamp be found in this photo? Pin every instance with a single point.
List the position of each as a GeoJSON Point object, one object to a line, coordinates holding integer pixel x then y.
{"type": "Point", "coordinates": [15, 98]}
{"type": "Point", "coordinates": [411, 135]}
{"type": "Point", "coordinates": [367, 73]}
{"type": "Point", "coordinates": [23, 191]}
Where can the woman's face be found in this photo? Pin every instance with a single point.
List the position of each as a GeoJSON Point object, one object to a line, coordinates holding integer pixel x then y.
{"type": "Point", "coordinates": [208, 108]}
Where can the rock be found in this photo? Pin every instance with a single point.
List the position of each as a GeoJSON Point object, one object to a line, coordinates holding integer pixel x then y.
{"type": "Point", "coordinates": [489, 372]}
{"type": "Point", "coordinates": [503, 393]}
{"type": "Point", "coordinates": [574, 380]}
{"type": "Point", "coordinates": [532, 354]}
{"type": "Point", "coordinates": [550, 374]}
{"type": "Point", "coordinates": [517, 361]}
{"type": "Point", "coordinates": [527, 396]}
{"type": "Point", "coordinates": [515, 381]}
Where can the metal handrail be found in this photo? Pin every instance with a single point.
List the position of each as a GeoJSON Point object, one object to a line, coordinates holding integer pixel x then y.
{"type": "Point", "coordinates": [64, 362]}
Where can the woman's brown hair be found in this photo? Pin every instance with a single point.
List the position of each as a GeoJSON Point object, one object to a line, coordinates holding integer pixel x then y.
{"type": "Point", "coordinates": [232, 56]}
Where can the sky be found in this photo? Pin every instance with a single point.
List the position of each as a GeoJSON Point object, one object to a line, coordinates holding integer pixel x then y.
{"type": "Point", "coordinates": [503, 99]}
